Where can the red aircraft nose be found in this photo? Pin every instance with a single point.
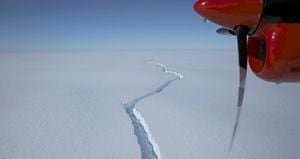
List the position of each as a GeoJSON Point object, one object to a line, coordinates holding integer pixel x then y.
{"type": "Point", "coordinates": [230, 13]}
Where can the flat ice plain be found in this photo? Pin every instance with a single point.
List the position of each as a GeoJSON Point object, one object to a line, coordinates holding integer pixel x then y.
{"type": "Point", "coordinates": [69, 106]}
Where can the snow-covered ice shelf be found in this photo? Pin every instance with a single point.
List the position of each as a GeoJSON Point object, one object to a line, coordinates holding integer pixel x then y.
{"type": "Point", "coordinates": [67, 106]}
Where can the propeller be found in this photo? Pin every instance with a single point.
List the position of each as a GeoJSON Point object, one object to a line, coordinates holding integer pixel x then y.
{"type": "Point", "coordinates": [241, 33]}
{"type": "Point", "coordinates": [225, 31]}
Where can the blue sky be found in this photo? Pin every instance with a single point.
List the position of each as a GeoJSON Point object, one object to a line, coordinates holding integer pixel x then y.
{"type": "Point", "coordinates": [95, 25]}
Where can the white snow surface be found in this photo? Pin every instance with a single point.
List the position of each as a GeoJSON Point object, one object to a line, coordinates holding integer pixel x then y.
{"type": "Point", "coordinates": [69, 106]}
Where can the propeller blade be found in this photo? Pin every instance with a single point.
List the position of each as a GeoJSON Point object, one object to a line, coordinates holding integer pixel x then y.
{"type": "Point", "coordinates": [241, 32]}
{"type": "Point", "coordinates": [225, 31]}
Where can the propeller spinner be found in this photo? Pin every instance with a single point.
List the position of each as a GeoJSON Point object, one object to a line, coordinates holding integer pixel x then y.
{"type": "Point", "coordinates": [239, 18]}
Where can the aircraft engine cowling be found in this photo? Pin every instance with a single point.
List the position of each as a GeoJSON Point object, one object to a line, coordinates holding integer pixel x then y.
{"type": "Point", "coordinates": [274, 52]}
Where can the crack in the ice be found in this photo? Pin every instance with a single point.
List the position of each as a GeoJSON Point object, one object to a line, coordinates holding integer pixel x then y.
{"type": "Point", "coordinates": [148, 146]}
